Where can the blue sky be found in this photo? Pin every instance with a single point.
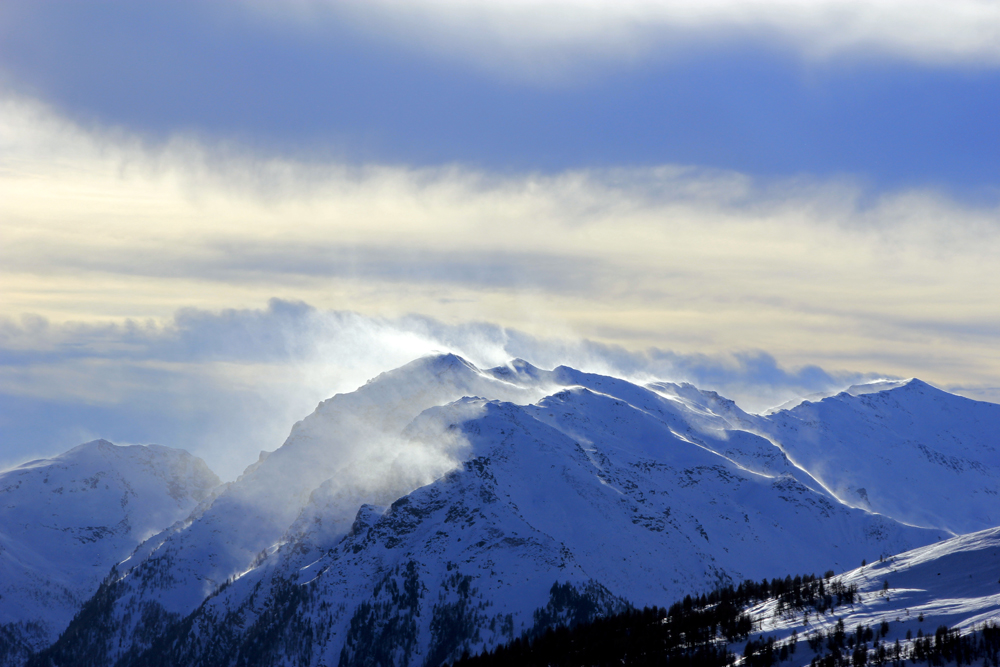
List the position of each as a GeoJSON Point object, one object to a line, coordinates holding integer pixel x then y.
{"type": "Point", "coordinates": [767, 198]}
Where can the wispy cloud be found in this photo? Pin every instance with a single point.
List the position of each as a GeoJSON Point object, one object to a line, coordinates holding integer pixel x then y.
{"type": "Point", "coordinates": [554, 38]}
{"type": "Point", "coordinates": [899, 93]}
{"type": "Point", "coordinates": [97, 225]}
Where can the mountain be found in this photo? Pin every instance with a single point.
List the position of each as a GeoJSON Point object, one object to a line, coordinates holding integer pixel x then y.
{"type": "Point", "coordinates": [442, 507]}
{"type": "Point", "coordinates": [65, 521]}
{"type": "Point", "coordinates": [352, 442]}
{"type": "Point", "coordinates": [918, 454]}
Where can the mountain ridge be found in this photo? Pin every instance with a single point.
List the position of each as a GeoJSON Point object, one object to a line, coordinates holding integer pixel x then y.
{"type": "Point", "coordinates": [442, 477]}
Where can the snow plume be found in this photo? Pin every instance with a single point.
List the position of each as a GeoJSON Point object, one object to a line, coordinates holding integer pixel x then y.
{"type": "Point", "coordinates": [364, 457]}
{"type": "Point", "coordinates": [228, 384]}
{"type": "Point", "coordinates": [348, 453]}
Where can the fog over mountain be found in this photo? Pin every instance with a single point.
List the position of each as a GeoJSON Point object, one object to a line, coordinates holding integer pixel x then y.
{"type": "Point", "coordinates": [227, 384]}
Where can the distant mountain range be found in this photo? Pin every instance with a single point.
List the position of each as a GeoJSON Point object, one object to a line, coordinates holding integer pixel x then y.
{"type": "Point", "coordinates": [442, 509]}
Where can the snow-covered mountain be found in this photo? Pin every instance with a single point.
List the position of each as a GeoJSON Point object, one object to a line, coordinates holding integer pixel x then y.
{"type": "Point", "coordinates": [938, 605]}
{"type": "Point", "coordinates": [906, 450]}
{"type": "Point", "coordinates": [65, 521]}
{"type": "Point", "coordinates": [353, 440]}
{"type": "Point", "coordinates": [435, 508]}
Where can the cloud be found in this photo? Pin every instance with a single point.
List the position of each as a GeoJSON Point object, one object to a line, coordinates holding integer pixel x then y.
{"type": "Point", "coordinates": [539, 40]}
{"type": "Point", "coordinates": [551, 39]}
{"type": "Point", "coordinates": [145, 267]}
{"type": "Point", "coordinates": [226, 384]}
{"type": "Point", "coordinates": [530, 86]}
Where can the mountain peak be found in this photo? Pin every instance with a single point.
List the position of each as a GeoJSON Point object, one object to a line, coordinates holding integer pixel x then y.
{"type": "Point", "coordinates": [516, 369]}
{"type": "Point", "coordinates": [443, 361]}
{"type": "Point", "coordinates": [911, 392]}
{"type": "Point", "coordinates": [875, 386]}
{"type": "Point", "coordinates": [93, 446]}
{"type": "Point", "coordinates": [860, 389]}
{"type": "Point", "coordinates": [431, 365]}
{"type": "Point", "coordinates": [923, 455]}
{"type": "Point", "coordinates": [73, 515]}
{"type": "Point", "coordinates": [99, 443]}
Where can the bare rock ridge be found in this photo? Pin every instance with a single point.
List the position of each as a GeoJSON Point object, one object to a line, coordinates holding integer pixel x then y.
{"type": "Point", "coordinates": [434, 510]}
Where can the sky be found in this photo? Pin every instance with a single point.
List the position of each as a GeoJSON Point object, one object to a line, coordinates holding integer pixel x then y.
{"type": "Point", "coordinates": [215, 215]}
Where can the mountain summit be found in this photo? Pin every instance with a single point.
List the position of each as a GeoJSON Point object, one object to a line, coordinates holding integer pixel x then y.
{"type": "Point", "coordinates": [65, 521]}
{"type": "Point", "coordinates": [913, 452]}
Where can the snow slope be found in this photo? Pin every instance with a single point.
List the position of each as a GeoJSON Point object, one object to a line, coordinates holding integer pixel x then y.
{"type": "Point", "coordinates": [633, 494]}
{"type": "Point", "coordinates": [912, 452]}
{"type": "Point", "coordinates": [65, 521]}
{"type": "Point", "coordinates": [952, 583]}
{"type": "Point", "coordinates": [353, 440]}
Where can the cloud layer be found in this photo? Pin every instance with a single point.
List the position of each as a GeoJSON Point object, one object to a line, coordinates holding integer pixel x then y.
{"type": "Point", "coordinates": [896, 93]}
{"type": "Point", "coordinates": [97, 225]}
{"type": "Point", "coordinates": [123, 262]}
{"type": "Point", "coordinates": [226, 384]}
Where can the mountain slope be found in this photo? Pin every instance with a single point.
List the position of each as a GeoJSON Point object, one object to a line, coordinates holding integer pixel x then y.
{"type": "Point", "coordinates": [937, 604]}
{"type": "Point", "coordinates": [912, 452]}
{"type": "Point", "coordinates": [952, 583]}
{"type": "Point", "coordinates": [353, 440]}
{"type": "Point", "coordinates": [65, 521]}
